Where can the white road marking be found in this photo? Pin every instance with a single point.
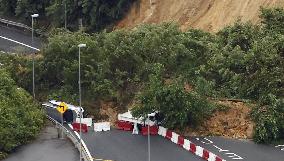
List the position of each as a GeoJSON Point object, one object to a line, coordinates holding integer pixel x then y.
{"type": "Point", "coordinates": [5, 38]}
{"type": "Point", "coordinates": [229, 154]}
{"type": "Point", "coordinates": [208, 141]}
{"type": "Point", "coordinates": [234, 156]}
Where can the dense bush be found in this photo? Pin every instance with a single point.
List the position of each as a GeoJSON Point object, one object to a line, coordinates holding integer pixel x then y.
{"type": "Point", "coordinates": [269, 119]}
{"type": "Point", "coordinates": [20, 118]}
{"type": "Point", "coordinates": [247, 64]}
{"type": "Point", "coordinates": [179, 107]}
{"type": "Point", "coordinates": [113, 63]}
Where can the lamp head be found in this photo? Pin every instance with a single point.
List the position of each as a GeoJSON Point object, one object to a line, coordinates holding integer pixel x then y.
{"type": "Point", "coordinates": [82, 45]}
{"type": "Point", "coordinates": [35, 15]}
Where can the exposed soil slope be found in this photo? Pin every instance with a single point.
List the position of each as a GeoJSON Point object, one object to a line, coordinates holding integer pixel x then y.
{"type": "Point", "coordinates": [208, 15]}
{"type": "Point", "coordinates": [232, 122]}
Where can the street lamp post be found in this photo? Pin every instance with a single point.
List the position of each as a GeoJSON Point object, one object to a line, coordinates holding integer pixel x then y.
{"type": "Point", "coordinates": [149, 150]}
{"type": "Point", "coordinates": [65, 15]}
{"type": "Point", "coordinates": [33, 16]}
{"type": "Point", "coordinates": [80, 103]}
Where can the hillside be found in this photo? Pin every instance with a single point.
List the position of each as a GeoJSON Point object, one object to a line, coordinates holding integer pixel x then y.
{"type": "Point", "coordinates": [208, 15]}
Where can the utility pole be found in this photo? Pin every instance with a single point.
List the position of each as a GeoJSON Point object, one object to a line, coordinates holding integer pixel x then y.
{"type": "Point", "coordinates": [33, 16]}
{"type": "Point", "coordinates": [80, 102]}
{"type": "Point", "coordinates": [65, 14]}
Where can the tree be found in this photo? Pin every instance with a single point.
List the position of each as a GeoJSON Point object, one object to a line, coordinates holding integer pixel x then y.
{"type": "Point", "coordinates": [20, 117]}
{"type": "Point", "coordinates": [179, 107]}
{"type": "Point", "coordinates": [25, 8]}
{"type": "Point", "coordinates": [7, 7]}
{"type": "Point", "coordinates": [272, 19]}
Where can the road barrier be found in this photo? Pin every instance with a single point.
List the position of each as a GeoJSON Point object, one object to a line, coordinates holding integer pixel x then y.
{"type": "Point", "coordinates": [76, 127]}
{"type": "Point", "coordinates": [16, 24]}
{"type": "Point", "coordinates": [124, 125]}
{"type": "Point", "coordinates": [188, 145]}
{"type": "Point", "coordinates": [75, 140]}
{"type": "Point", "coordinates": [102, 126]}
{"type": "Point", "coordinates": [87, 121]}
{"type": "Point", "coordinates": [153, 130]}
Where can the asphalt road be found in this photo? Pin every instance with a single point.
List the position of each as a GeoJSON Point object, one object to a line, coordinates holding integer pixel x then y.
{"type": "Point", "coordinates": [123, 146]}
{"type": "Point", "coordinates": [47, 147]}
{"type": "Point", "coordinates": [233, 149]}
{"type": "Point", "coordinates": [20, 36]}
{"type": "Point", "coordinates": [119, 145]}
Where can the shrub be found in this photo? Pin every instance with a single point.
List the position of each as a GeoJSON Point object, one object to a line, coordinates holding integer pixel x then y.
{"type": "Point", "coordinates": [269, 116]}
{"type": "Point", "coordinates": [20, 118]}
{"type": "Point", "coordinates": [179, 107]}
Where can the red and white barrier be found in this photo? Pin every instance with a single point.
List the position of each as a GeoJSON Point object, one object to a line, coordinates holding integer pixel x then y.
{"type": "Point", "coordinates": [76, 127]}
{"type": "Point", "coordinates": [153, 130]}
{"type": "Point", "coordinates": [124, 125]}
{"type": "Point", "coordinates": [188, 145]}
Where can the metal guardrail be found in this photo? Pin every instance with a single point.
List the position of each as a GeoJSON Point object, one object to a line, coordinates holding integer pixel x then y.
{"type": "Point", "coordinates": [75, 139]}
{"type": "Point", "coordinates": [12, 23]}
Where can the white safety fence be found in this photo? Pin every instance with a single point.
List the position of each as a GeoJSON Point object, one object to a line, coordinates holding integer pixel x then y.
{"type": "Point", "coordinates": [75, 139]}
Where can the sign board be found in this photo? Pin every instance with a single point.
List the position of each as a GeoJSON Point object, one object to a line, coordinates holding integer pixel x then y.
{"type": "Point", "coordinates": [62, 107]}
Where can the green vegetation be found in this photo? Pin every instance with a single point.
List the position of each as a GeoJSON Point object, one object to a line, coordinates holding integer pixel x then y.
{"type": "Point", "coordinates": [152, 64]}
{"type": "Point", "coordinates": [96, 14]}
{"type": "Point", "coordinates": [269, 118]}
{"type": "Point", "coordinates": [20, 118]}
{"type": "Point", "coordinates": [178, 106]}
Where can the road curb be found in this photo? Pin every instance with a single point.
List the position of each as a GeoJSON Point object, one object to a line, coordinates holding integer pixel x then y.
{"type": "Point", "coordinates": [188, 145]}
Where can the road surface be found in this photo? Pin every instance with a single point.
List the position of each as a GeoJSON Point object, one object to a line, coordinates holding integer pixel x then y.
{"type": "Point", "coordinates": [123, 146]}
{"type": "Point", "coordinates": [244, 150]}
{"type": "Point", "coordinates": [7, 35]}
{"type": "Point", "coordinates": [47, 147]}
{"type": "Point", "coordinates": [120, 145]}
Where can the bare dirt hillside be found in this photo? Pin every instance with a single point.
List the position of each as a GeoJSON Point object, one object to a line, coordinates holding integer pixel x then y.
{"type": "Point", "coordinates": [208, 15]}
{"type": "Point", "coordinates": [234, 121]}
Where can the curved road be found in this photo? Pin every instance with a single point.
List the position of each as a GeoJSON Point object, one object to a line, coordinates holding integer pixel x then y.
{"type": "Point", "coordinates": [123, 146]}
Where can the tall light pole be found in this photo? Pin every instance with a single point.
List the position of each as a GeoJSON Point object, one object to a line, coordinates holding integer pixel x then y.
{"type": "Point", "coordinates": [149, 150]}
{"type": "Point", "coordinates": [65, 15]}
{"type": "Point", "coordinates": [80, 103]}
{"type": "Point", "coordinates": [33, 16]}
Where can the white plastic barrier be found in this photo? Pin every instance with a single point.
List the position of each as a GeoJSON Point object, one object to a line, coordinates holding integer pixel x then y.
{"type": "Point", "coordinates": [87, 121]}
{"type": "Point", "coordinates": [212, 157]}
{"type": "Point", "coordinates": [162, 131]}
{"type": "Point", "coordinates": [186, 144]}
{"type": "Point", "coordinates": [199, 151]}
{"type": "Point", "coordinates": [102, 126]}
{"type": "Point", "coordinates": [174, 138]}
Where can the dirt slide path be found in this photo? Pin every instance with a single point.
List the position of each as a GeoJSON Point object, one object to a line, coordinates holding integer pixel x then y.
{"type": "Point", "coordinates": [208, 15]}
